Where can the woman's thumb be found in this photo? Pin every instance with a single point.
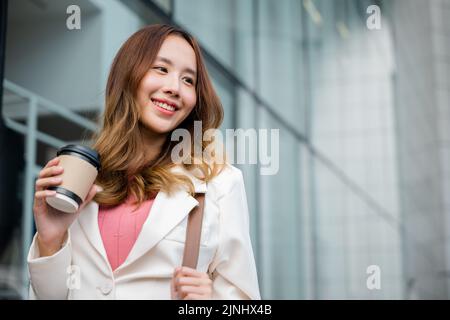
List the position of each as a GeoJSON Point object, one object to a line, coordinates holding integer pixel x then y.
{"type": "Point", "coordinates": [94, 189]}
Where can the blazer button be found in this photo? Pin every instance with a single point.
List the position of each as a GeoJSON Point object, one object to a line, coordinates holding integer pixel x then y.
{"type": "Point", "coordinates": [106, 288]}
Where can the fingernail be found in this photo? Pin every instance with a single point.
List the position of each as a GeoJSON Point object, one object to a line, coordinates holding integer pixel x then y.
{"type": "Point", "coordinates": [99, 189]}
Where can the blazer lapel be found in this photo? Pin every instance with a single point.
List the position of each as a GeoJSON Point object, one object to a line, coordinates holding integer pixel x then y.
{"type": "Point", "coordinates": [88, 221]}
{"type": "Point", "coordinates": [165, 214]}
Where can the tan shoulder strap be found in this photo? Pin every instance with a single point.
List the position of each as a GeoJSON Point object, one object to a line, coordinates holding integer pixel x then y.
{"type": "Point", "coordinates": [193, 233]}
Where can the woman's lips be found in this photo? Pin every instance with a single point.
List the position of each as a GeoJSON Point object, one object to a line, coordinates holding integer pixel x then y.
{"type": "Point", "coordinates": [162, 110]}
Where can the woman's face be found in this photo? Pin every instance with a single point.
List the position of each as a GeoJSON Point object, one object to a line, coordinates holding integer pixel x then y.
{"type": "Point", "coordinates": [166, 94]}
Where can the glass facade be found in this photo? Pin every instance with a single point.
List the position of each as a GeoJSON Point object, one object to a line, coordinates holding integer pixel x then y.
{"type": "Point", "coordinates": [315, 71]}
{"type": "Point", "coordinates": [360, 198]}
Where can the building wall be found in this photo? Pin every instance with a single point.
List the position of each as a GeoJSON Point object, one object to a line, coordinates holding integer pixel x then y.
{"type": "Point", "coordinates": [73, 64]}
{"type": "Point", "coordinates": [331, 96]}
{"type": "Point", "coordinates": [440, 35]}
{"type": "Point", "coordinates": [420, 120]}
{"type": "Point", "coordinates": [351, 118]}
{"type": "Point", "coordinates": [59, 64]}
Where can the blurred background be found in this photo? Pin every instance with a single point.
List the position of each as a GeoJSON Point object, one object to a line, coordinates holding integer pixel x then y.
{"type": "Point", "coordinates": [359, 90]}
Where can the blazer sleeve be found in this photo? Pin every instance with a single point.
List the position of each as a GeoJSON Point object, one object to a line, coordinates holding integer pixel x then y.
{"type": "Point", "coordinates": [233, 268]}
{"type": "Point", "coordinates": [48, 275]}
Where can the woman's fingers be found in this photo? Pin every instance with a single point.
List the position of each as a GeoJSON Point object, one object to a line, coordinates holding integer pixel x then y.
{"type": "Point", "coordinates": [186, 271]}
{"type": "Point", "coordinates": [173, 287]}
{"type": "Point", "coordinates": [44, 183]}
{"type": "Point", "coordinates": [44, 193]}
{"type": "Point", "coordinates": [91, 194]}
{"type": "Point", "coordinates": [192, 284]}
{"type": "Point", "coordinates": [47, 177]}
{"type": "Point", "coordinates": [194, 296]}
{"type": "Point", "coordinates": [173, 290]}
{"type": "Point", "coordinates": [51, 171]}
{"type": "Point", "coordinates": [52, 162]}
{"type": "Point", "coordinates": [193, 289]}
{"type": "Point", "coordinates": [192, 281]}
{"type": "Point", "coordinates": [188, 276]}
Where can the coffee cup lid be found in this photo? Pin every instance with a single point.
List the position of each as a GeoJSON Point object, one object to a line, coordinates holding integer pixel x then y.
{"type": "Point", "coordinates": [89, 154]}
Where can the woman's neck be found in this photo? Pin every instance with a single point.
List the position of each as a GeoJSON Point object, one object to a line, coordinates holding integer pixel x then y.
{"type": "Point", "coordinates": [153, 144]}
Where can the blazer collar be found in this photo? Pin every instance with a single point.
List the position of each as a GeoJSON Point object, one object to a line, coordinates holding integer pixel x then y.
{"type": "Point", "coordinates": [166, 212]}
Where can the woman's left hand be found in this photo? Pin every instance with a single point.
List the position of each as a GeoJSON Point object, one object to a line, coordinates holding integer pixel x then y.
{"type": "Point", "coordinates": [190, 284]}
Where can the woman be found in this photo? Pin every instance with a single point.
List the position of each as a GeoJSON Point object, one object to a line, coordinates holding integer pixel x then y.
{"type": "Point", "coordinates": [128, 242]}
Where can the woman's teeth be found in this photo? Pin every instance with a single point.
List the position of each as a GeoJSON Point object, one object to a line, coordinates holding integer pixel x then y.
{"type": "Point", "coordinates": [164, 106]}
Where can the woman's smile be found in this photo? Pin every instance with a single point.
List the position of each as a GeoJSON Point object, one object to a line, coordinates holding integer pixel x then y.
{"type": "Point", "coordinates": [164, 106]}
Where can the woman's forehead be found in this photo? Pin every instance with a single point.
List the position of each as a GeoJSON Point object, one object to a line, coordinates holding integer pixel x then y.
{"type": "Point", "coordinates": [178, 52]}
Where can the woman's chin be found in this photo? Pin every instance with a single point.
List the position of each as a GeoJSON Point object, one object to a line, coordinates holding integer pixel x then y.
{"type": "Point", "coordinates": [158, 129]}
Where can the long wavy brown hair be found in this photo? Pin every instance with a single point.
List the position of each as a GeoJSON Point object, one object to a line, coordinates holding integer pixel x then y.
{"type": "Point", "coordinates": [124, 168]}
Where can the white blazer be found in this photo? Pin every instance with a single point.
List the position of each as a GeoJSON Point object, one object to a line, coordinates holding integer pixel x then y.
{"type": "Point", "coordinates": [80, 269]}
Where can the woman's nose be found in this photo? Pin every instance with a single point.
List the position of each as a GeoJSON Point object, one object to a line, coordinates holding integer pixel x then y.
{"type": "Point", "coordinates": [172, 86]}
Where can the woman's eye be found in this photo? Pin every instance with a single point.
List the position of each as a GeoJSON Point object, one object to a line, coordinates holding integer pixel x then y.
{"type": "Point", "coordinates": [189, 80]}
{"type": "Point", "coordinates": [161, 68]}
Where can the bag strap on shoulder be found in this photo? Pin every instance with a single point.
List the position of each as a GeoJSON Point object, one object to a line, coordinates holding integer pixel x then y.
{"type": "Point", "coordinates": [193, 233]}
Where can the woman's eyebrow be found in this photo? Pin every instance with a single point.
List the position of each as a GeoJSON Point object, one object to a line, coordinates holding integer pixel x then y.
{"type": "Point", "coordinates": [169, 62]}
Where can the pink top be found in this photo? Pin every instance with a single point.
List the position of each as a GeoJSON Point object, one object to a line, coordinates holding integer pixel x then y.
{"type": "Point", "coordinates": [120, 226]}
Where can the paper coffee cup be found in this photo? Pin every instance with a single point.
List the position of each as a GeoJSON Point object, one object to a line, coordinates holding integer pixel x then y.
{"type": "Point", "coordinates": [81, 165]}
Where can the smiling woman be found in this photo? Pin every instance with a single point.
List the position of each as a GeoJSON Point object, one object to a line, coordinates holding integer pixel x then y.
{"type": "Point", "coordinates": [165, 87]}
{"type": "Point", "coordinates": [128, 242]}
